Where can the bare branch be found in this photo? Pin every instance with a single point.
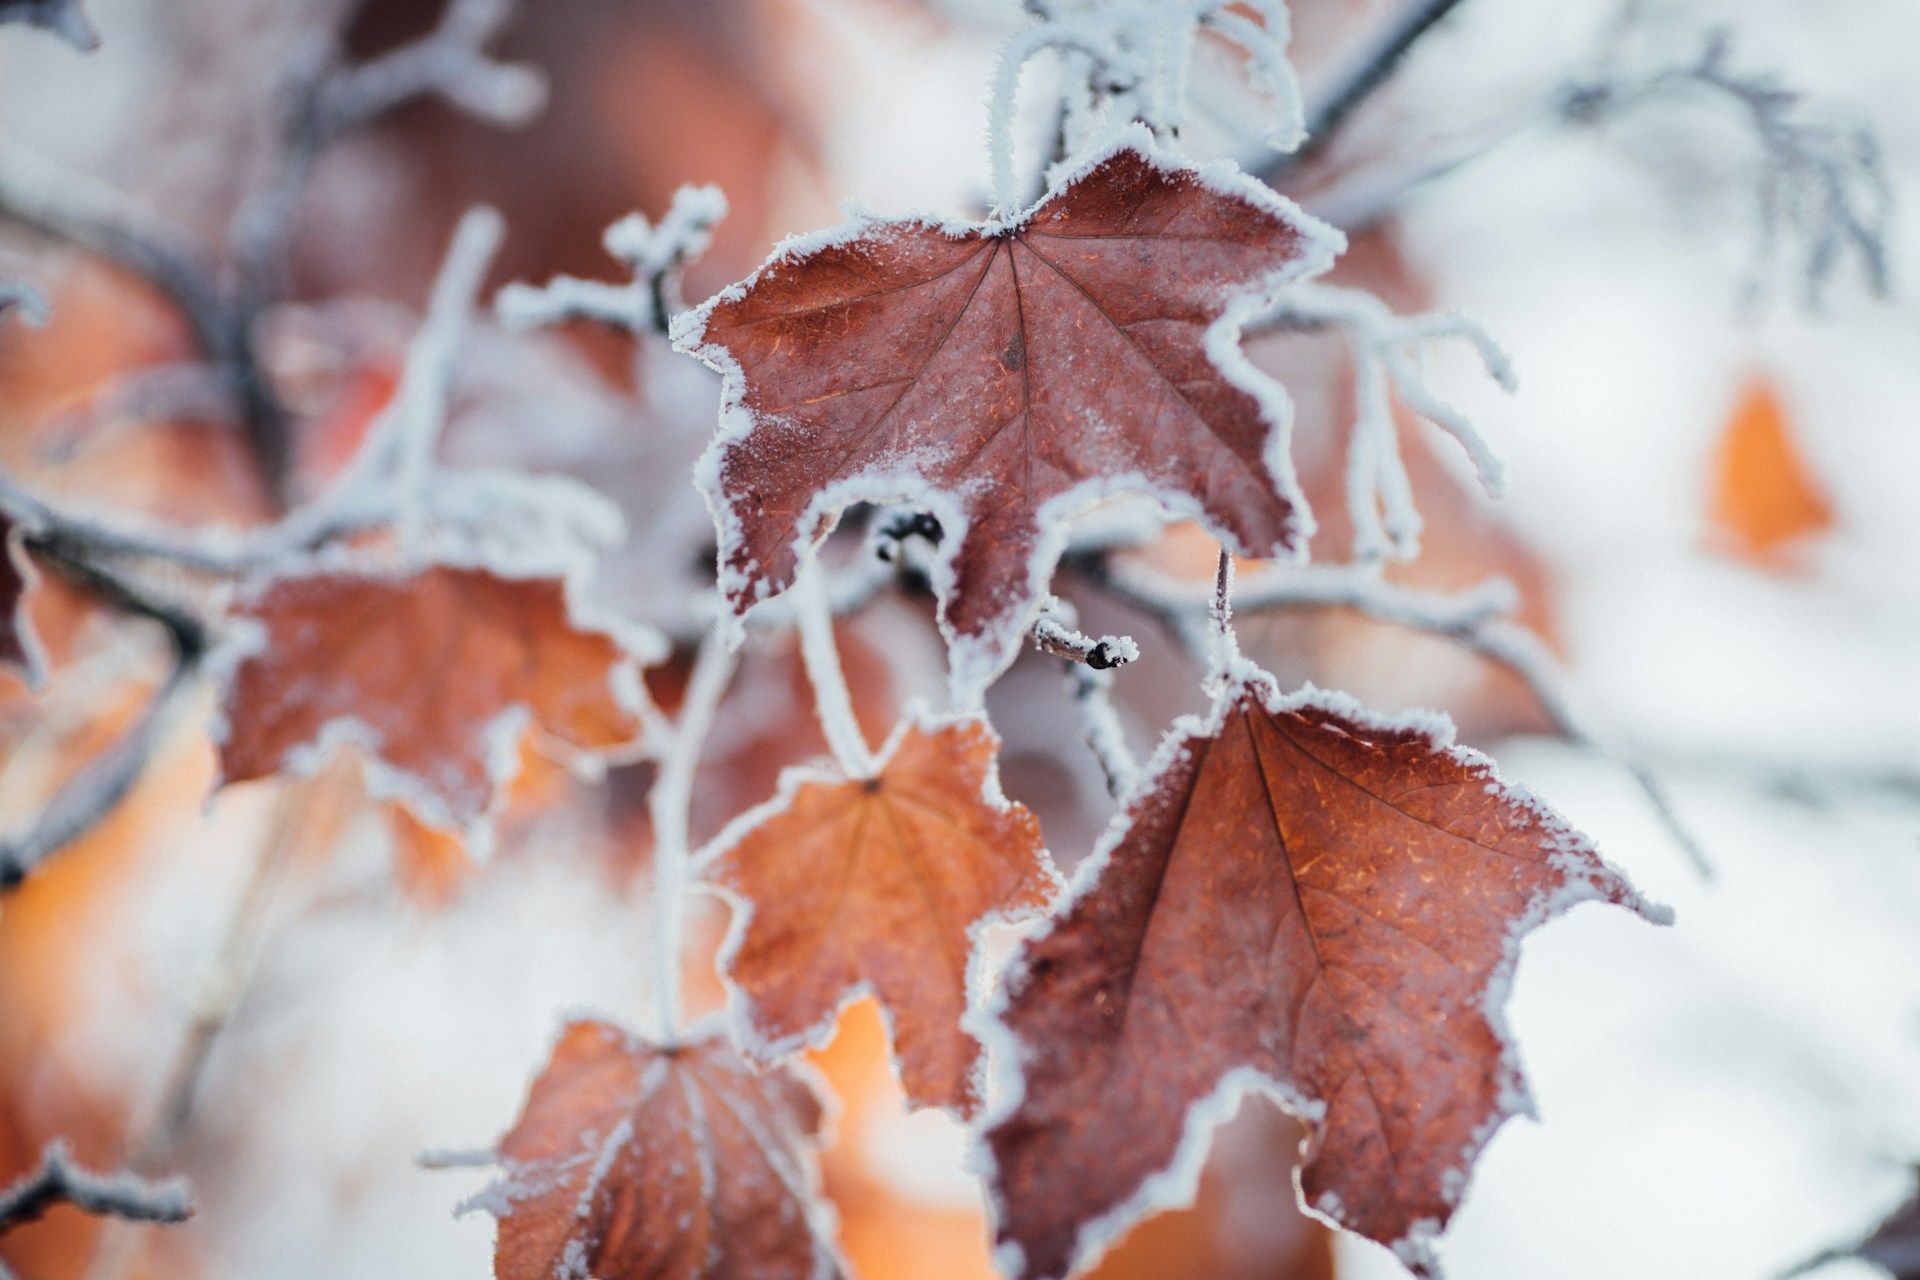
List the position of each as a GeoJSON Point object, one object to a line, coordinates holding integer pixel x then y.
{"type": "Point", "coordinates": [119, 1195]}
{"type": "Point", "coordinates": [1365, 73]}
{"type": "Point", "coordinates": [1091, 690]}
{"type": "Point", "coordinates": [328, 99]}
{"type": "Point", "coordinates": [1821, 176]}
{"type": "Point", "coordinates": [93, 793]}
{"type": "Point", "coordinates": [64, 18]}
{"type": "Point", "coordinates": [1477, 619]}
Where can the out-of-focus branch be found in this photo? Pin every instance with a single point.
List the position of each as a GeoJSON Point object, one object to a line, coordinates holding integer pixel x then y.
{"type": "Point", "coordinates": [118, 1195]}
{"type": "Point", "coordinates": [89, 796]}
{"type": "Point", "coordinates": [75, 208]}
{"type": "Point", "coordinates": [1478, 619]}
{"type": "Point", "coordinates": [64, 18]}
{"type": "Point", "coordinates": [1820, 178]}
{"type": "Point", "coordinates": [387, 474]}
{"type": "Point", "coordinates": [1370, 68]}
{"type": "Point", "coordinates": [327, 98]}
{"type": "Point", "coordinates": [19, 296]}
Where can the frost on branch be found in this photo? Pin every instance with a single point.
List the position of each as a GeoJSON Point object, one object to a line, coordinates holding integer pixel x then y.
{"type": "Point", "coordinates": [1379, 878]}
{"type": "Point", "coordinates": [654, 254]}
{"type": "Point", "coordinates": [1004, 376]}
{"type": "Point", "coordinates": [881, 884]}
{"type": "Point", "coordinates": [1820, 177]}
{"type": "Point", "coordinates": [20, 648]}
{"type": "Point", "coordinates": [679, 1161]}
{"type": "Point", "coordinates": [1131, 58]}
{"type": "Point", "coordinates": [58, 1180]}
{"type": "Point", "coordinates": [1383, 349]}
{"type": "Point", "coordinates": [64, 18]}
{"type": "Point", "coordinates": [436, 674]}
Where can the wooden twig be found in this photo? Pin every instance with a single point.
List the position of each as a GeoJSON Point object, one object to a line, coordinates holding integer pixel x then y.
{"type": "Point", "coordinates": [1371, 68]}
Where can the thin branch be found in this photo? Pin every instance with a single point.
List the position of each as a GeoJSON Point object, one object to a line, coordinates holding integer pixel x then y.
{"type": "Point", "coordinates": [21, 297]}
{"type": "Point", "coordinates": [328, 99]}
{"type": "Point", "coordinates": [63, 18]}
{"type": "Point", "coordinates": [1366, 72]}
{"type": "Point", "coordinates": [1091, 689]}
{"type": "Point", "coordinates": [832, 700]}
{"type": "Point", "coordinates": [119, 1195]}
{"type": "Point", "coordinates": [385, 480]}
{"type": "Point", "coordinates": [669, 804]}
{"type": "Point", "coordinates": [1054, 632]}
{"type": "Point", "coordinates": [654, 254]}
{"type": "Point", "coordinates": [1383, 347]}
{"type": "Point", "coordinates": [1477, 619]}
{"type": "Point", "coordinates": [94, 792]}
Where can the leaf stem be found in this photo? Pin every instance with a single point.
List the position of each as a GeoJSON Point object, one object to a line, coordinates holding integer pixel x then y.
{"type": "Point", "coordinates": [832, 701]}
{"type": "Point", "coordinates": [669, 804]}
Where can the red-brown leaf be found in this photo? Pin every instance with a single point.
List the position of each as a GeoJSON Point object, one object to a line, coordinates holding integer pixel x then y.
{"type": "Point", "coordinates": [1301, 897]}
{"type": "Point", "coordinates": [844, 884]}
{"type": "Point", "coordinates": [437, 674]}
{"type": "Point", "coordinates": [686, 1163]}
{"type": "Point", "coordinates": [1005, 376]}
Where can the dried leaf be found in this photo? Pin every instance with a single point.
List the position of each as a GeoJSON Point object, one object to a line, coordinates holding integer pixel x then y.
{"type": "Point", "coordinates": [1766, 499]}
{"type": "Point", "coordinates": [437, 675]}
{"type": "Point", "coordinates": [1301, 898]}
{"type": "Point", "coordinates": [683, 1163]}
{"type": "Point", "coordinates": [842, 885]}
{"type": "Point", "coordinates": [1004, 376]}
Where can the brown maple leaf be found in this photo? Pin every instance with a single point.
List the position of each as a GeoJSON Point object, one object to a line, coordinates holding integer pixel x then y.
{"type": "Point", "coordinates": [1300, 898]}
{"type": "Point", "coordinates": [436, 674]}
{"type": "Point", "coordinates": [678, 1163]}
{"type": "Point", "coordinates": [1004, 376]}
{"type": "Point", "coordinates": [843, 885]}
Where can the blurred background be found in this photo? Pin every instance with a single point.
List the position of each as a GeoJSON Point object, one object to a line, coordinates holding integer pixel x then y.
{"type": "Point", "coordinates": [288, 991]}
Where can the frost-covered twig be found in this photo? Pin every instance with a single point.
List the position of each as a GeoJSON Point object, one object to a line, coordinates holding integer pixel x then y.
{"type": "Point", "coordinates": [669, 804]}
{"type": "Point", "coordinates": [1479, 619]}
{"type": "Point", "coordinates": [79, 210]}
{"type": "Point", "coordinates": [64, 18]}
{"type": "Point", "coordinates": [1383, 348]}
{"type": "Point", "coordinates": [655, 255]}
{"type": "Point", "coordinates": [1371, 67]}
{"type": "Point", "coordinates": [384, 480]}
{"type": "Point", "coordinates": [327, 98]}
{"type": "Point", "coordinates": [1821, 176]}
{"type": "Point", "coordinates": [1133, 57]}
{"type": "Point", "coordinates": [832, 700]}
{"type": "Point", "coordinates": [90, 795]}
{"type": "Point", "coordinates": [58, 1180]}
{"type": "Point", "coordinates": [1092, 689]}
{"type": "Point", "coordinates": [1054, 632]}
